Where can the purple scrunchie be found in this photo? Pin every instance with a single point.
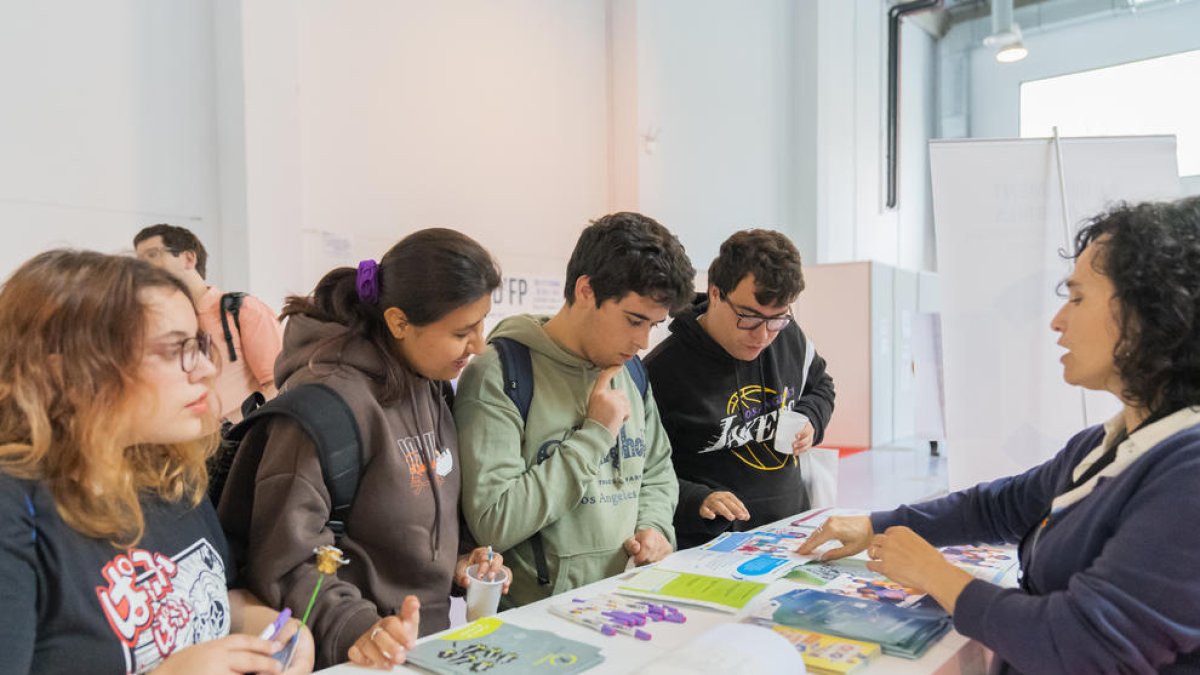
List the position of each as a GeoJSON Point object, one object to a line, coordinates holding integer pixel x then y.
{"type": "Point", "coordinates": [367, 281]}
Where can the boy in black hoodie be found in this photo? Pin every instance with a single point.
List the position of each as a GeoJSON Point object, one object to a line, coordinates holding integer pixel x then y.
{"type": "Point", "coordinates": [732, 362]}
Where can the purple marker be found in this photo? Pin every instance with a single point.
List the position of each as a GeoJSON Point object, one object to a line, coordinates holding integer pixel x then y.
{"type": "Point", "coordinates": [272, 631]}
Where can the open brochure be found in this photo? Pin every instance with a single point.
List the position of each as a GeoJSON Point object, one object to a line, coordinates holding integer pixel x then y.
{"type": "Point", "coordinates": [723, 595]}
{"type": "Point", "coordinates": [758, 555]}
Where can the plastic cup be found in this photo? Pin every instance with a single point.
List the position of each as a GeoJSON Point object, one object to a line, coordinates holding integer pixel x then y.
{"type": "Point", "coordinates": [789, 424]}
{"type": "Point", "coordinates": [483, 594]}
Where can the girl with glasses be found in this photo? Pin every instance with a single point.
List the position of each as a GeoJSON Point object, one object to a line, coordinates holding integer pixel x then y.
{"type": "Point", "coordinates": [111, 559]}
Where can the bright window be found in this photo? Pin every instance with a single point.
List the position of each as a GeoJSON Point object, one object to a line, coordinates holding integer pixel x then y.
{"type": "Point", "coordinates": [1156, 96]}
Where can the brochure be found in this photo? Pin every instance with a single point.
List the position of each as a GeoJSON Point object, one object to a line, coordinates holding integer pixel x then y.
{"type": "Point", "coordinates": [826, 653]}
{"type": "Point", "coordinates": [994, 564]}
{"type": "Point", "coordinates": [851, 578]}
{"type": "Point", "coordinates": [905, 632]}
{"type": "Point", "coordinates": [490, 645]}
{"type": "Point", "coordinates": [723, 595]}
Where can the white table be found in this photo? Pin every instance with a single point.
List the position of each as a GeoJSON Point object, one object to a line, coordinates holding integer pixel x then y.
{"type": "Point", "coordinates": [953, 653]}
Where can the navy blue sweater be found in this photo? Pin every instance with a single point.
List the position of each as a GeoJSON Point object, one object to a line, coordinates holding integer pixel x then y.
{"type": "Point", "coordinates": [1113, 582]}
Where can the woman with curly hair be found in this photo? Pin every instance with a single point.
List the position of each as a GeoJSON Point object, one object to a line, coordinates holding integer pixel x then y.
{"type": "Point", "coordinates": [111, 557]}
{"type": "Point", "coordinates": [1107, 528]}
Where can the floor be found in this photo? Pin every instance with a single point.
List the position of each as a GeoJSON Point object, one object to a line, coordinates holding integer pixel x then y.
{"type": "Point", "coordinates": [885, 477]}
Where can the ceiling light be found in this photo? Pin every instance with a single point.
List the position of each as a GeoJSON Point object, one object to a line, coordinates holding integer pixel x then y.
{"type": "Point", "coordinates": [1006, 34]}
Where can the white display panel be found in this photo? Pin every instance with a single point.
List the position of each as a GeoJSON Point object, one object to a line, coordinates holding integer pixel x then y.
{"type": "Point", "coordinates": [999, 220]}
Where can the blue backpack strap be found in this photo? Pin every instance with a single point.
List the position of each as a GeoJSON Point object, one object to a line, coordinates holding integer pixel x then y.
{"type": "Point", "coordinates": [637, 371]}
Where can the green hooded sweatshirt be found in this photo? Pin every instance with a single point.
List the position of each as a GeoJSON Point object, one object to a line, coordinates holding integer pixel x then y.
{"type": "Point", "coordinates": [590, 494]}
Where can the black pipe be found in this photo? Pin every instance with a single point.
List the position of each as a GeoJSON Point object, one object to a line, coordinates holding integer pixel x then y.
{"type": "Point", "coordinates": [894, 15]}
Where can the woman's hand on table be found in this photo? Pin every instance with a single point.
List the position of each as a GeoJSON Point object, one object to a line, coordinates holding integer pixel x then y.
{"type": "Point", "coordinates": [904, 557]}
{"type": "Point", "coordinates": [854, 533]}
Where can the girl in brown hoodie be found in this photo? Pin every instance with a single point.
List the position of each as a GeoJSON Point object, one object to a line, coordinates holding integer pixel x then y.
{"type": "Point", "coordinates": [387, 337]}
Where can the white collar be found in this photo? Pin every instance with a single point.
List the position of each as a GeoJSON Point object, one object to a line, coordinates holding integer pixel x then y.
{"type": "Point", "coordinates": [1137, 444]}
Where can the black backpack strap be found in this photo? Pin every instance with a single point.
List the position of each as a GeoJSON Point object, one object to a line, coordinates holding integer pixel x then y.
{"type": "Point", "coordinates": [328, 420]}
{"type": "Point", "coordinates": [231, 305]}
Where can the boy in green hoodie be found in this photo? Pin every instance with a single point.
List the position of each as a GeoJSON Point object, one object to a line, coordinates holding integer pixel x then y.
{"type": "Point", "coordinates": [604, 490]}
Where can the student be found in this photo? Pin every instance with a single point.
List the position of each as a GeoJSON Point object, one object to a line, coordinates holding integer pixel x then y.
{"type": "Point", "coordinates": [111, 559]}
{"type": "Point", "coordinates": [1107, 548]}
{"type": "Point", "coordinates": [732, 362]}
{"type": "Point", "coordinates": [386, 337]}
{"type": "Point", "coordinates": [584, 483]}
{"type": "Point", "coordinates": [254, 334]}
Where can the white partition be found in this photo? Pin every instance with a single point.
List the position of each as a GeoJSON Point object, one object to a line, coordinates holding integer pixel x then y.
{"type": "Point", "coordinates": [1000, 225]}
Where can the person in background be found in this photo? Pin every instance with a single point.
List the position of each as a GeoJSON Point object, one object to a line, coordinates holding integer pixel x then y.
{"type": "Point", "coordinates": [584, 484]}
{"type": "Point", "coordinates": [387, 338]}
{"type": "Point", "coordinates": [111, 558]}
{"type": "Point", "coordinates": [247, 334]}
{"type": "Point", "coordinates": [1107, 550]}
{"type": "Point", "coordinates": [733, 361]}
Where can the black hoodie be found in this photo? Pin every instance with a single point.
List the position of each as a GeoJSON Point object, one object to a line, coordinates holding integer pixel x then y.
{"type": "Point", "coordinates": [720, 414]}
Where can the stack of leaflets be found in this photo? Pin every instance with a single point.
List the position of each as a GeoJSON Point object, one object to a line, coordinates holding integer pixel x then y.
{"type": "Point", "coordinates": [900, 631]}
{"type": "Point", "coordinates": [723, 595]}
{"type": "Point", "coordinates": [824, 654]}
{"type": "Point", "coordinates": [490, 645]}
{"type": "Point", "coordinates": [993, 564]}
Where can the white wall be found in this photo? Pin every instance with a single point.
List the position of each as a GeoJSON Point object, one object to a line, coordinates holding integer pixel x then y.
{"type": "Point", "coordinates": [853, 222]}
{"type": "Point", "coordinates": [261, 125]}
{"type": "Point", "coordinates": [489, 118]}
{"type": "Point", "coordinates": [107, 124]}
{"type": "Point", "coordinates": [715, 93]}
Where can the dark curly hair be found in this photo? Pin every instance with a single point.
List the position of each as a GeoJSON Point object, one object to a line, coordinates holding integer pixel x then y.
{"type": "Point", "coordinates": [1151, 254]}
{"type": "Point", "coordinates": [627, 252]}
{"type": "Point", "coordinates": [770, 256]}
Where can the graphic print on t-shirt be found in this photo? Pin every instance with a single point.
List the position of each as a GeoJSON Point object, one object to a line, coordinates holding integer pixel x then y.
{"type": "Point", "coordinates": [155, 604]}
{"type": "Point", "coordinates": [748, 428]}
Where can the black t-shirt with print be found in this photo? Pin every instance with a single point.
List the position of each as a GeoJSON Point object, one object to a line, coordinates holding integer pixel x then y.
{"type": "Point", "coordinates": [72, 604]}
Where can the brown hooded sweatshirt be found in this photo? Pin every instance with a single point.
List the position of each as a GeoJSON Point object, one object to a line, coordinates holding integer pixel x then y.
{"type": "Point", "coordinates": [402, 535]}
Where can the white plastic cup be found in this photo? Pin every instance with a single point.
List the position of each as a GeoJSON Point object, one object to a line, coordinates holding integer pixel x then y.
{"type": "Point", "coordinates": [790, 424]}
{"type": "Point", "coordinates": [483, 595]}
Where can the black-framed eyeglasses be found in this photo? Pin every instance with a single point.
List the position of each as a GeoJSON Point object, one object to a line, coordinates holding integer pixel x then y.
{"type": "Point", "coordinates": [190, 349]}
{"type": "Point", "coordinates": [753, 321]}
